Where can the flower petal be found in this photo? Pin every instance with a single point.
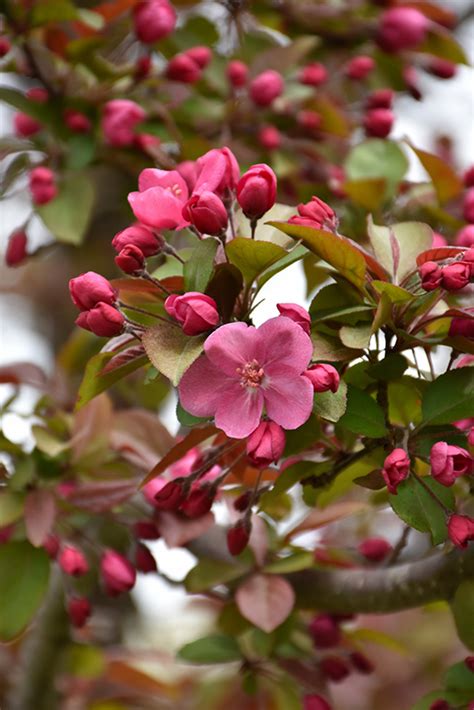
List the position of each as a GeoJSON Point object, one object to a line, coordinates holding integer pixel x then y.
{"type": "Point", "coordinates": [171, 179]}
{"type": "Point", "coordinates": [232, 345]}
{"type": "Point", "coordinates": [158, 208]}
{"type": "Point", "coordinates": [286, 344]}
{"type": "Point", "coordinates": [239, 410]}
{"type": "Point", "coordinates": [200, 388]}
{"type": "Point", "coordinates": [288, 400]}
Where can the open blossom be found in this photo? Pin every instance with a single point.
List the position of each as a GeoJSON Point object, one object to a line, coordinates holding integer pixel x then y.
{"type": "Point", "coordinates": [449, 462]}
{"type": "Point", "coordinates": [119, 120]}
{"type": "Point", "coordinates": [160, 199]}
{"type": "Point", "coordinates": [316, 214]}
{"type": "Point", "coordinates": [244, 370]}
{"type": "Point", "coordinates": [395, 469]}
{"type": "Point", "coordinates": [196, 312]}
{"type": "Point", "coordinates": [218, 171]}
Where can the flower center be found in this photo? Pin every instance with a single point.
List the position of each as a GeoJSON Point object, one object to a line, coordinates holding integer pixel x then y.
{"type": "Point", "coordinates": [251, 374]}
{"type": "Point", "coordinates": [175, 189]}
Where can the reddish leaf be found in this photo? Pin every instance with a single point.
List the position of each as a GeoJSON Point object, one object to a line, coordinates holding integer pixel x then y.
{"type": "Point", "coordinates": [265, 600]}
{"type": "Point", "coordinates": [139, 436]}
{"type": "Point", "coordinates": [438, 254]}
{"type": "Point", "coordinates": [319, 518]}
{"type": "Point", "coordinates": [103, 496]}
{"type": "Point", "coordinates": [39, 514]}
{"type": "Point", "coordinates": [176, 530]}
{"type": "Point", "coordinates": [23, 373]}
{"type": "Point", "coordinates": [91, 426]}
{"type": "Point", "coordinates": [373, 265]}
{"type": "Point", "coordinates": [123, 358]}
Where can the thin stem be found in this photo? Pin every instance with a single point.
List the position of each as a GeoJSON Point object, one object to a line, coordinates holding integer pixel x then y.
{"type": "Point", "coordinates": [141, 310]}
{"type": "Point", "coordinates": [430, 363]}
{"type": "Point", "coordinates": [401, 544]}
{"type": "Point", "coordinates": [253, 227]}
{"type": "Point", "coordinates": [148, 277]}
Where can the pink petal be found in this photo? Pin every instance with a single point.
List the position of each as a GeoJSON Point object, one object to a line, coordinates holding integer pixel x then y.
{"type": "Point", "coordinates": [239, 410]}
{"type": "Point", "coordinates": [286, 344]}
{"type": "Point", "coordinates": [200, 388]}
{"type": "Point", "coordinates": [158, 208]}
{"type": "Point", "coordinates": [232, 345]}
{"type": "Point", "coordinates": [212, 169]}
{"type": "Point", "coordinates": [171, 179]}
{"type": "Point", "coordinates": [288, 400]}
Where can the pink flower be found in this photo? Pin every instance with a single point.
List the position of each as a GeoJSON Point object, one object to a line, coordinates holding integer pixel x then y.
{"type": "Point", "coordinates": [266, 87]}
{"type": "Point", "coordinates": [324, 631]}
{"type": "Point", "coordinates": [402, 28]}
{"type": "Point", "coordinates": [5, 46]}
{"type": "Point", "coordinates": [396, 468]}
{"type": "Point", "coordinates": [309, 120]}
{"type": "Point", "coordinates": [72, 561]}
{"type": "Point", "coordinates": [449, 462]}
{"type": "Point", "coordinates": [468, 205]}
{"type": "Point", "coordinates": [76, 121]}
{"type": "Point", "coordinates": [360, 67]}
{"type": "Point", "coordinates": [88, 289]}
{"type": "Point", "coordinates": [37, 94]}
{"type": "Point", "coordinates": [378, 122]}
{"type": "Point", "coordinates": [465, 236]}
{"type": "Point", "coordinates": [184, 69]}
{"type": "Point", "coordinates": [442, 68]}
{"type": "Point", "coordinates": [153, 20]}
{"type": "Point", "coordinates": [170, 496]}
{"type": "Point", "coordinates": [323, 377]}
{"type": "Point", "coordinates": [102, 320]}
{"type": "Point", "coordinates": [334, 668]}
{"type": "Point", "coordinates": [201, 55]}
{"type": "Point", "coordinates": [256, 191]}
{"type": "Point", "coordinates": [25, 126]}
{"type": "Point", "coordinates": [266, 444]}
{"type": "Point", "coordinates": [218, 171]}
{"type": "Point", "coordinates": [296, 313]}
{"type": "Point", "coordinates": [244, 369]}
{"type": "Point", "coordinates": [456, 276]}
{"type": "Point", "coordinates": [139, 236]}
{"type": "Point", "coordinates": [237, 73]}
{"type": "Point", "coordinates": [16, 248]}
{"type": "Point", "coordinates": [468, 258]}
{"type": "Point", "coordinates": [430, 275]}
{"type": "Point", "coordinates": [206, 212]}
{"type": "Point", "coordinates": [380, 98]}
{"type": "Point", "coordinates": [119, 120]}
{"type": "Point", "coordinates": [188, 170]}
{"type": "Point", "coordinates": [269, 137]}
{"type": "Point", "coordinates": [196, 312]}
{"type": "Point", "coordinates": [375, 549]}
{"type": "Point", "coordinates": [118, 573]}
{"type": "Point", "coordinates": [460, 530]}
{"type": "Point", "coordinates": [130, 260]}
{"type": "Point", "coordinates": [160, 200]}
{"type": "Point", "coordinates": [79, 610]}
{"type": "Point", "coordinates": [438, 240]}
{"type": "Point", "coordinates": [316, 214]}
{"type": "Point", "coordinates": [313, 74]}
{"type": "Point", "coordinates": [42, 185]}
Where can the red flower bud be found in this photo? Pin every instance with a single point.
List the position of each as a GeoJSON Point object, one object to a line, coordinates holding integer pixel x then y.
{"type": "Point", "coordinates": [323, 377]}
{"type": "Point", "coordinates": [130, 260]}
{"type": "Point", "coordinates": [198, 503]}
{"type": "Point", "coordinates": [360, 67]}
{"type": "Point", "coordinates": [25, 126]}
{"type": "Point", "coordinates": [78, 609]}
{"type": "Point", "coordinates": [375, 549]}
{"type": "Point", "coordinates": [468, 258]}
{"type": "Point", "coordinates": [37, 94]}
{"type": "Point", "coordinates": [170, 497]}
{"type": "Point", "coordinates": [381, 98]}
{"type": "Point", "coordinates": [316, 214]}
{"type": "Point", "coordinates": [313, 74]}
{"type": "Point", "coordinates": [465, 237]}
{"type": "Point", "coordinates": [463, 327]}
{"type": "Point", "coordinates": [201, 55]}
{"type": "Point", "coordinates": [266, 444]}
{"type": "Point", "coordinates": [184, 69]}
{"type": "Point", "coordinates": [468, 177]}
{"type": "Point", "coordinates": [242, 502]}
{"type": "Point", "coordinates": [402, 28]}
{"type": "Point", "coordinates": [119, 121]}
{"type": "Point", "coordinates": [395, 469]}
{"type": "Point", "coordinates": [237, 538]}
{"type": "Point", "coordinates": [334, 668]}
{"type": "Point", "coordinates": [76, 121]}
{"type": "Point", "coordinates": [196, 312]}
{"type": "Point", "coordinates": [269, 137]}
{"type": "Point", "coordinates": [296, 313]}
{"type": "Point", "coordinates": [144, 560]}
{"type": "Point", "coordinates": [324, 631]}
{"type": "Point", "coordinates": [16, 248]}
{"type": "Point", "coordinates": [143, 67]}
{"type": "Point", "coordinates": [42, 185]}
{"type": "Point", "coordinates": [449, 462]}
{"type": "Point", "coordinates": [361, 663]}
{"type": "Point", "coordinates": [468, 205]}
{"type": "Point", "coordinates": [469, 662]}
{"type": "Point", "coordinates": [141, 237]}
{"type": "Point", "coordinates": [378, 122]}
{"type": "Point", "coordinates": [410, 78]}
{"type": "Point", "coordinates": [117, 572]}
{"type": "Point", "coordinates": [256, 191]}
{"type": "Point", "coordinates": [88, 289]}
{"type": "Point", "coordinates": [309, 120]}
{"type": "Point", "coordinates": [5, 46]}
{"type": "Point", "coordinates": [237, 73]}
{"type": "Point", "coordinates": [51, 545]}
{"type": "Point", "coordinates": [102, 320]}
{"type": "Point", "coordinates": [315, 702]}
{"type": "Point", "coordinates": [440, 705]}
{"type": "Point", "coordinates": [266, 87]}
{"type": "Point", "coordinates": [460, 530]}
{"type": "Point", "coordinates": [442, 68]}
{"type": "Point", "coordinates": [146, 530]}
{"type": "Point", "coordinates": [72, 561]}
{"type": "Point", "coordinates": [430, 275]}
{"type": "Point", "coordinates": [455, 276]}
{"type": "Point", "coordinates": [207, 213]}
{"type": "Point", "coordinates": [153, 20]}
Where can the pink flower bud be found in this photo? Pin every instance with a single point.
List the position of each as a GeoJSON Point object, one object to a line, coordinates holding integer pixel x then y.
{"type": "Point", "coordinates": [184, 69]}
{"type": "Point", "coordinates": [266, 444]}
{"type": "Point", "coordinates": [25, 126]}
{"type": "Point", "coordinates": [455, 276]}
{"type": "Point", "coordinates": [269, 137]}
{"type": "Point", "coordinates": [78, 609]}
{"type": "Point", "coordinates": [207, 213]}
{"type": "Point", "coordinates": [315, 702]}
{"type": "Point", "coordinates": [42, 185]}
{"type": "Point", "coordinates": [438, 241]}
{"type": "Point", "coordinates": [440, 705]}
{"type": "Point", "coordinates": [196, 312]}
{"type": "Point", "coordinates": [309, 120]}
{"type": "Point", "coordinates": [146, 530]}
{"type": "Point", "coordinates": [117, 572]}
{"type": "Point", "coordinates": [130, 260]}
{"type": "Point", "coordinates": [334, 668]}
{"type": "Point", "coordinates": [463, 327]}
{"type": "Point", "coordinates": [313, 74]}
{"type": "Point", "coordinates": [374, 549]}
{"type": "Point", "coordinates": [5, 46]}
{"type": "Point", "coordinates": [381, 98]}
{"type": "Point", "coordinates": [88, 289]}
{"type": "Point", "coordinates": [266, 87]}
{"type": "Point", "coordinates": [144, 560]}
{"type": "Point", "coordinates": [16, 251]}
{"type": "Point", "coordinates": [256, 191]}
{"type": "Point", "coordinates": [410, 77]}
{"type": "Point", "coordinates": [242, 502]}
{"type": "Point", "coordinates": [470, 437]}
{"type": "Point", "coordinates": [153, 20]}
{"type": "Point", "coordinates": [141, 237]}
{"type": "Point", "coordinates": [323, 377]}
{"type": "Point", "coordinates": [361, 663]}
{"type": "Point", "coordinates": [449, 462]}
{"type": "Point", "coordinates": [460, 530]}
{"type": "Point", "coordinates": [442, 68]}
{"type": "Point", "coordinates": [237, 538]}
{"type": "Point", "coordinates": [468, 177]}
{"type": "Point", "coordinates": [468, 205]}
{"type": "Point", "coordinates": [316, 214]}
{"type": "Point", "coordinates": [170, 497]}
{"type": "Point", "coordinates": [468, 258]}
{"type": "Point", "coordinates": [76, 121]}
{"type": "Point", "coordinates": [119, 120]}
{"type": "Point", "coordinates": [430, 275]}
{"type": "Point", "coordinates": [360, 67]}
{"type": "Point", "coordinates": [51, 545]}
{"type": "Point", "coordinates": [296, 313]}
{"type": "Point", "coordinates": [72, 561]}
{"type": "Point", "coordinates": [37, 94]}
{"type": "Point", "coordinates": [396, 468]}
{"type": "Point", "coordinates": [465, 237]}
{"type": "Point", "coordinates": [401, 28]}
{"type": "Point", "coordinates": [378, 122]}
{"type": "Point", "coordinates": [146, 141]}
{"type": "Point", "coordinates": [201, 55]}
{"type": "Point", "coordinates": [237, 73]}
{"type": "Point", "coordinates": [198, 503]}
{"type": "Point", "coordinates": [325, 631]}
{"type": "Point", "coordinates": [102, 320]}
{"type": "Point", "coordinates": [143, 67]}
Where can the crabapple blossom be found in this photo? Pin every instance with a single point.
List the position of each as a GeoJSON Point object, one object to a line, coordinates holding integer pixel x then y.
{"type": "Point", "coordinates": [42, 185]}
{"type": "Point", "coordinates": [460, 530]}
{"type": "Point", "coordinates": [237, 538]}
{"type": "Point", "coordinates": [103, 320]}
{"type": "Point", "coordinates": [269, 137]}
{"type": "Point", "coordinates": [72, 561]}
{"type": "Point", "coordinates": [198, 502]}
{"type": "Point", "coordinates": [402, 28]}
{"type": "Point", "coordinates": [315, 702]}
{"type": "Point", "coordinates": [237, 73]}
{"type": "Point", "coordinates": [378, 122]}
{"type": "Point", "coordinates": [324, 631]}
{"type": "Point", "coordinates": [144, 560]}
{"type": "Point", "coordinates": [170, 496]}
{"type": "Point", "coordinates": [455, 276]}
{"type": "Point", "coordinates": [89, 288]}
{"type": "Point", "coordinates": [25, 126]}
{"type": "Point", "coordinates": [130, 260]}
{"type": "Point", "coordinates": [256, 191]}
{"type": "Point", "coordinates": [449, 462]}
{"type": "Point", "coordinates": [16, 252]}
{"type": "Point", "coordinates": [184, 69]}
{"type": "Point", "coordinates": [201, 55]}
{"type": "Point", "coordinates": [465, 236]}
{"type": "Point", "coordinates": [117, 572]}
{"type": "Point", "coordinates": [468, 205]}
{"type": "Point", "coordinates": [119, 120]}
{"type": "Point", "coordinates": [139, 236]}
{"type": "Point", "coordinates": [218, 171]}
{"type": "Point", "coordinates": [76, 121]}
{"type": "Point", "coordinates": [206, 212]}
{"type": "Point", "coordinates": [395, 469]}
{"type": "Point", "coordinates": [196, 312]}
{"type": "Point", "coordinates": [334, 668]}
{"type": "Point", "coordinates": [296, 313]}
{"type": "Point", "coordinates": [160, 199]}
{"type": "Point", "coordinates": [266, 444]}
{"type": "Point", "coordinates": [316, 214]}
{"type": "Point", "coordinates": [360, 67]}
{"type": "Point", "coordinates": [313, 74]}
{"type": "Point", "coordinates": [431, 275]}
{"type": "Point", "coordinates": [323, 377]}
{"type": "Point", "coordinates": [374, 549]}
{"type": "Point", "coordinates": [79, 609]}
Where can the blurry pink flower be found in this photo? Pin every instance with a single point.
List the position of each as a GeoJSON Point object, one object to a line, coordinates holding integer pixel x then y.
{"type": "Point", "coordinates": [119, 120]}
{"type": "Point", "coordinates": [153, 20]}
{"type": "Point", "coordinates": [160, 200]}
{"type": "Point", "coordinates": [237, 73]}
{"type": "Point", "coordinates": [144, 560]}
{"type": "Point", "coordinates": [78, 609]}
{"type": "Point", "coordinates": [72, 561]}
{"type": "Point", "coordinates": [378, 122]}
{"type": "Point", "coordinates": [25, 126]}
{"type": "Point", "coordinates": [316, 214]}
{"type": "Point", "coordinates": [269, 137]}
{"type": "Point", "coordinates": [16, 251]}
{"type": "Point", "coordinates": [402, 28]}
{"type": "Point", "coordinates": [77, 121]}
{"type": "Point", "coordinates": [438, 240]}
{"type": "Point", "coordinates": [117, 572]}
{"type": "Point", "coordinates": [359, 67]}
{"type": "Point", "coordinates": [315, 702]}
{"type": "Point", "coordinates": [266, 87]}
{"type": "Point", "coordinates": [465, 236]}
{"type": "Point", "coordinates": [43, 186]}
{"type": "Point", "coordinates": [460, 530]}
{"type": "Point", "coordinates": [201, 55]}
{"type": "Point", "coordinates": [313, 74]}
{"type": "Point", "coordinates": [184, 69]}
{"type": "Point", "coordinates": [244, 369]}
{"type": "Point", "coordinates": [449, 462]}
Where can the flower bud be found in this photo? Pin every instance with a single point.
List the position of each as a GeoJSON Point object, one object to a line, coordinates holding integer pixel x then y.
{"type": "Point", "coordinates": [381, 98]}
{"type": "Point", "coordinates": [359, 68]}
{"type": "Point", "coordinates": [256, 191]}
{"type": "Point", "coordinates": [144, 560]}
{"type": "Point", "coordinates": [316, 214]}
{"type": "Point", "coordinates": [207, 213]}
{"type": "Point", "coordinates": [401, 28]}
{"type": "Point", "coordinates": [361, 663]}
{"type": "Point", "coordinates": [309, 120]}
{"type": "Point", "coordinates": [198, 503]}
{"type": "Point", "coordinates": [463, 327]}
{"type": "Point", "coordinates": [438, 241]}
{"type": "Point", "coordinates": [323, 377]}
{"type": "Point", "coordinates": [440, 705]}
{"type": "Point", "coordinates": [5, 46]}
{"type": "Point", "coordinates": [76, 121]}
{"type": "Point", "coordinates": [315, 702]}
{"type": "Point", "coordinates": [237, 73]}
{"type": "Point", "coordinates": [37, 94]}
{"type": "Point", "coordinates": [410, 77]}
{"type": "Point", "coordinates": [460, 530]}
{"type": "Point", "coordinates": [455, 276]}
{"type": "Point", "coordinates": [153, 20]}
{"type": "Point", "coordinates": [51, 545]}
{"type": "Point", "coordinates": [16, 253]}
{"type": "Point", "coordinates": [42, 185]}
{"type": "Point", "coordinates": [378, 122]}
{"type": "Point", "coordinates": [442, 68]}
{"type": "Point", "coordinates": [468, 177]}
{"type": "Point", "coordinates": [143, 67]}
{"type": "Point", "coordinates": [184, 69]}
{"type": "Point", "coordinates": [269, 137]}
{"type": "Point", "coordinates": [102, 320]}
{"type": "Point", "coordinates": [324, 631]}
{"type": "Point", "coordinates": [79, 609]}
{"type": "Point", "coordinates": [196, 312]}
{"type": "Point", "coordinates": [119, 121]}
{"type": "Point", "coordinates": [238, 537]}
{"type": "Point", "coordinates": [72, 561]}
{"type": "Point", "coordinates": [468, 205]}
{"type": "Point", "coordinates": [334, 668]}
{"type": "Point", "coordinates": [465, 237]}
{"type": "Point", "coordinates": [469, 663]}
{"type": "Point", "coordinates": [449, 462]}
{"type": "Point", "coordinates": [170, 497]}
{"type": "Point", "coordinates": [266, 444]}
{"type": "Point", "coordinates": [117, 572]}
{"type": "Point", "coordinates": [88, 289]}
{"type": "Point", "coordinates": [146, 530]}
{"type": "Point", "coordinates": [468, 258]}
{"type": "Point", "coordinates": [243, 501]}
{"type": "Point", "coordinates": [296, 313]}
{"type": "Point", "coordinates": [266, 87]}
{"type": "Point", "coordinates": [25, 126]}
{"type": "Point", "coordinates": [375, 549]}
{"type": "Point", "coordinates": [201, 55]}
{"type": "Point", "coordinates": [396, 468]}
{"type": "Point", "coordinates": [130, 260]}
{"type": "Point", "coordinates": [430, 275]}
{"type": "Point", "coordinates": [313, 74]}
{"type": "Point", "coordinates": [141, 237]}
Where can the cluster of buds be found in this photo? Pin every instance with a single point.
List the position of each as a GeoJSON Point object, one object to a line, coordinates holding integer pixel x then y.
{"type": "Point", "coordinates": [96, 298]}
{"type": "Point", "coordinates": [452, 276]}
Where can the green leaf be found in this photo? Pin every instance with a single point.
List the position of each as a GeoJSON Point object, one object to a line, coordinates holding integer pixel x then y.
{"type": "Point", "coordinates": [334, 303]}
{"type": "Point", "coordinates": [170, 350]}
{"type": "Point", "coordinates": [19, 101]}
{"type": "Point", "coordinates": [68, 215]}
{"type": "Point", "coordinates": [292, 475]}
{"type": "Point", "coordinates": [390, 368]}
{"type": "Point", "coordinates": [345, 478]}
{"type": "Point", "coordinates": [441, 43]}
{"type": "Point", "coordinates": [253, 257]}
{"type": "Point", "coordinates": [363, 415]}
{"type": "Point", "coordinates": [11, 507]}
{"type": "Point", "coordinates": [331, 405]}
{"type": "Point", "coordinates": [187, 419]}
{"type": "Point", "coordinates": [81, 151]}
{"type": "Point", "coordinates": [331, 349]}
{"type": "Point", "coordinates": [90, 18]}
{"type": "Point", "coordinates": [396, 247]}
{"type": "Point", "coordinates": [94, 381]}
{"type": "Point", "coordinates": [376, 158]}
{"type": "Point", "coordinates": [335, 250]}
{"type": "Point", "coordinates": [208, 573]}
{"type": "Point", "coordinates": [394, 293]}
{"type": "Point", "coordinates": [404, 400]}
{"type": "Point", "coordinates": [417, 508]}
{"type": "Point", "coordinates": [356, 336]}
{"type": "Point", "coordinates": [446, 181]}
{"type": "Point", "coordinates": [15, 168]}
{"type": "Point", "coordinates": [199, 268]}
{"type": "Point", "coordinates": [24, 575]}
{"type": "Point", "coordinates": [211, 649]}
{"type": "Point", "coordinates": [296, 254]}
{"type": "Point", "coordinates": [450, 397]}
{"type": "Point", "coordinates": [45, 11]}
{"type": "Point", "coordinates": [291, 563]}
{"type": "Point", "coordinates": [369, 192]}
{"type": "Point", "coordinates": [462, 607]}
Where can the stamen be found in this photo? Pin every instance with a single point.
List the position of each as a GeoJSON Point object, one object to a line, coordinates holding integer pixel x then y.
{"type": "Point", "coordinates": [251, 374]}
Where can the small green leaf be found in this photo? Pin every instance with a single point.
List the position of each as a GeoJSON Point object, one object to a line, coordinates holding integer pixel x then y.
{"type": "Point", "coordinates": [11, 507]}
{"type": "Point", "coordinates": [68, 215]}
{"type": "Point", "coordinates": [356, 336]}
{"type": "Point", "coordinates": [81, 151]}
{"type": "Point", "coordinates": [199, 267]}
{"type": "Point", "coordinates": [363, 415]}
{"type": "Point", "coordinates": [93, 382]}
{"type": "Point", "coordinates": [390, 368]}
{"type": "Point", "coordinates": [291, 563]}
{"type": "Point", "coordinates": [441, 43]}
{"type": "Point", "coordinates": [170, 350]}
{"type": "Point", "coordinates": [331, 405]}
{"type": "Point", "coordinates": [335, 303]}
{"type": "Point", "coordinates": [417, 508]}
{"type": "Point", "coordinates": [462, 607]}
{"type": "Point", "coordinates": [211, 649]}
{"type": "Point", "coordinates": [45, 11]}
{"type": "Point", "coordinates": [253, 257]}
{"type": "Point", "coordinates": [450, 397]}
{"type": "Point", "coordinates": [376, 158]}
{"type": "Point", "coordinates": [394, 293]}
{"type": "Point", "coordinates": [187, 419]}
{"type": "Point", "coordinates": [331, 349]}
{"type": "Point", "coordinates": [296, 254]}
{"type": "Point", "coordinates": [397, 246]}
{"type": "Point", "coordinates": [208, 573]}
